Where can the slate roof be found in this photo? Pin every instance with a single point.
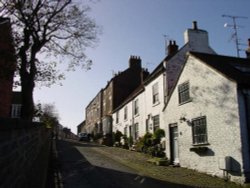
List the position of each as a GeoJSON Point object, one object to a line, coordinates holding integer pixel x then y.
{"type": "Point", "coordinates": [237, 69]}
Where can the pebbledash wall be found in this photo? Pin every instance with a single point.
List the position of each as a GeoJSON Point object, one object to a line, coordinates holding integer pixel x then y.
{"type": "Point", "coordinates": [24, 153]}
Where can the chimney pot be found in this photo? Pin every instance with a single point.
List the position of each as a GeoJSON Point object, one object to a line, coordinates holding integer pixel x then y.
{"type": "Point", "coordinates": [195, 27]}
{"type": "Point", "coordinates": [172, 47]}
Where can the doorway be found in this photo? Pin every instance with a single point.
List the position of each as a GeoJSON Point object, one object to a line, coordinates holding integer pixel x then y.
{"type": "Point", "coordinates": [174, 145]}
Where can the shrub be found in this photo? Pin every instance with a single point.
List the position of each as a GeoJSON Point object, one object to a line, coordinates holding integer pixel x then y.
{"type": "Point", "coordinates": [117, 136]}
{"type": "Point", "coordinates": [150, 144]}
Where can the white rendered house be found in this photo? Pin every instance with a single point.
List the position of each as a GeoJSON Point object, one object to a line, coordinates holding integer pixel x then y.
{"type": "Point", "coordinates": [207, 116]}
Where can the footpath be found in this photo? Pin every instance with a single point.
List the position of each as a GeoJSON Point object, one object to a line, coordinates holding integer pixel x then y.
{"type": "Point", "coordinates": [138, 162]}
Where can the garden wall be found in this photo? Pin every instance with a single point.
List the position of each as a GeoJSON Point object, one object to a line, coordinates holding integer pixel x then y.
{"type": "Point", "coordinates": [24, 153]}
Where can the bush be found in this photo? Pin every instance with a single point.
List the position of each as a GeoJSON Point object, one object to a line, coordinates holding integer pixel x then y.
{"type": "Point", "coordinates": [150, 144]}
{"type": "Point", "coordinates": [117, 136]}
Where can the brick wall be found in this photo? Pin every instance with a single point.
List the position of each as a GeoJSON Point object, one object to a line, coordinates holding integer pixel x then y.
{"type": "Point", "coordinates": [24, 153]}
{"type": "Point", "coordinates": [7, 67]}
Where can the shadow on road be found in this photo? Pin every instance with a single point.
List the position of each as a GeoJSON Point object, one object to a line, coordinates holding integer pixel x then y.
{"type": "Point", "coordinates": [78, 172]}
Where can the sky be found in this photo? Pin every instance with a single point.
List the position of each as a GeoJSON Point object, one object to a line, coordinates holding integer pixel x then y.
{"type": "Point", "coordinates": [137, 27]}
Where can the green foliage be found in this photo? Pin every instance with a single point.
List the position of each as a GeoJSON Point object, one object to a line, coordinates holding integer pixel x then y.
{"type": "Point", "coordinates": [45, 34]}
{"type": "Point", "coordinates": [150, 144]}
{"type": "Point", "coordinates": [159, 133]}
{"type": "Point", "coordinates": [117, 136]}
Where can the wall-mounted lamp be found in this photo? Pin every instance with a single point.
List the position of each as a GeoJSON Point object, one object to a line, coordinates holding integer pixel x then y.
{"type": "Point", "coordinates": [183, 119]}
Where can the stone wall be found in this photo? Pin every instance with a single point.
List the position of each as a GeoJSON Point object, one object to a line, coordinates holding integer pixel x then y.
{"type": "Point", "coordinates": [24, 153]}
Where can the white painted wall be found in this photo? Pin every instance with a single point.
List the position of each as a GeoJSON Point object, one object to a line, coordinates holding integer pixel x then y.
{"type": "Point", "coordinates": [215, 97]}
{"type": "Point", "coordinates": [154, 109]}
{"type": "Point", "coordinates": [131, 118]}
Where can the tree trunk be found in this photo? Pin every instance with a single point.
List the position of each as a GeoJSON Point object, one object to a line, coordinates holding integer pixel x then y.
{"type": "Point", "coordinates": [27, 98]}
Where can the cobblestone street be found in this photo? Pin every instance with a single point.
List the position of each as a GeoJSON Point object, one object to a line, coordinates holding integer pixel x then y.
{"type": "Point", "coordinates": [93, 165]}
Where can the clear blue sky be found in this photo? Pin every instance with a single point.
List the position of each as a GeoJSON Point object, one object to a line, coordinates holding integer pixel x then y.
{"type": "Point", "coordinates": [136, 27]}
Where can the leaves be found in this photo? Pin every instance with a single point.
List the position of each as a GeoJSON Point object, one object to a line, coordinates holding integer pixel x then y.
{"type": "Point", "coordinates": [60, 29]}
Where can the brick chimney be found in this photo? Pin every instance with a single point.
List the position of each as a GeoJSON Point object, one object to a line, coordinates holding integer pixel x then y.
{"type": "Point", "coordinates": [248, 49]}
{"type": "Point", "coordinates": [134, 61]}
{"type": "Point", "coordinates": [172, 47]}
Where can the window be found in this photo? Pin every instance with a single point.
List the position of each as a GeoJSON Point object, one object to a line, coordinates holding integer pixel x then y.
{"type": "Point", "coordinates": [136, 107]}
{"type": "Point", "coordinates": [156, 122]}
{"type": "Point", "coordinates": [199, 130]}
{"type": "Point", "coordinates": [126, 131]}
{"type": "Point", "coordinates": [117, 117]}
{"type": "Point", "coordinates": [136, 129]}
{"type": "Point", "coordinates": [125, 113]}
{"type": "Point", "coordinates": [147, 125]}
{"type": "Point", "coordinates": [16, 110]}
{"type": "Point", "coordinates": [183, 90]}
{"type": "Point", "coordinates": [155, 93]}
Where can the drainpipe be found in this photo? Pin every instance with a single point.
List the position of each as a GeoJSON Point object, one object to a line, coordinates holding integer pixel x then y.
{"type": "Point", "coordinates": [246, 96]}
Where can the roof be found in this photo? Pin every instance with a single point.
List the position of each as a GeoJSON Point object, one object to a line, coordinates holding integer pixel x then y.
{"type": "Point", "coordinates": [237, 69]}
{"type": "Point", "coordinates": [234, 68]}
{"type": "Point", "coordinates": [133, 95]}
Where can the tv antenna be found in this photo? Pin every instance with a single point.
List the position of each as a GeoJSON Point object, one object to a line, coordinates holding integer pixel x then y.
{"type": "Point", "coordinates": [235, 28]}
{"type": "Point", "coordinates": [166, 38]}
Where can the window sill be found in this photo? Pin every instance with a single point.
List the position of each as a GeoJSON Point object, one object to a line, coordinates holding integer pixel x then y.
{"type": "Point", "coordinates": [201, 144]}
{"type": "Point", "coordinates": [156, 104]}
{"type": "Point", "coordinates": [199, 147]}
{"type": "Point", "coordinates": [190, 100]}
{"type": "Point", "coordinates": [136, 115]}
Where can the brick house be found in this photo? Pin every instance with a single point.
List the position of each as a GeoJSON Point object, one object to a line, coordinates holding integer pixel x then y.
{"type": "Point", "coordinates": [207, 116]}
{"type": "Point", "coordinates": [99, 110]}
{"type": "Point", "coordinates": [7, 67]}
{"type": "Point", "coordinates": [94, 114]}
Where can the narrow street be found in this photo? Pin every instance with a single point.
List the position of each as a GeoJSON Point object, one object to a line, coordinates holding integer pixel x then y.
{"type": "Point", "coordinates": [84, 165]}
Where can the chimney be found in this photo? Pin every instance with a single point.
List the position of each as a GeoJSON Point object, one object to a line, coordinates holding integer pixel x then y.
{"type": "Point", "coordinates": [197, 39]}
{"type": "Point", "coordinates": [195, 27]}
{"type": "Point", "coordinates": [172, 47]}
{"type": "Point", "coordinates": [248, 49]}
{"type": "Point", "coordinates": [134, 61]}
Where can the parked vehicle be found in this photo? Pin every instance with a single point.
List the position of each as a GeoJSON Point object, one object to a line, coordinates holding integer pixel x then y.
{"type": "Point", "coordinates": [84, 137]}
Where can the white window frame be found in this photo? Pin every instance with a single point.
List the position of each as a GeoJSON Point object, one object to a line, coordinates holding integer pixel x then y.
{"type": "Point", "coordinates": [155, 93]}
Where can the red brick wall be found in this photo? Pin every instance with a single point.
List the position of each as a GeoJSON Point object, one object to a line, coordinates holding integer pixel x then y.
{"type": "Point", "coordinates": [7, 67]}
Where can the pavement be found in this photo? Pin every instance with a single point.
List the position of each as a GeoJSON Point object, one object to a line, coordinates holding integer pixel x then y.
{"type": "Point", "coordinates": [138, 162]}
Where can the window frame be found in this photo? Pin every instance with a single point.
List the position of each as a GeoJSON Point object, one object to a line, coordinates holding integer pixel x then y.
{"type": "Point", "coordinates": [117, 117]}
{"type": "Point", "coordinates": [184, 93]}
{"type": "Point", "coordinates": [154, 118]}
{"type": "Point", "coordinates": [16, 110]}
{"type": "Point", "coordinates": [155, 93]}
{"type": "Point", "coordinates": [136, 131]}
{"type": "Point", "coordinates": [197, 125]}
{"type": "Point", "coordinates": [136, 107]}
{"type": "Point", "coordinates": [125, 113]}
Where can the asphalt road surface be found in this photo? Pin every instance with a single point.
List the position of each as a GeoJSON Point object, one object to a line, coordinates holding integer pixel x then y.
{"type": "Point", "coordinates": [82, 166]}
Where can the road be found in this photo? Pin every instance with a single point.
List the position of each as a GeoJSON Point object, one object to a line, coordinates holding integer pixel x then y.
{"type": "Point", "coordinates": [83, 165]}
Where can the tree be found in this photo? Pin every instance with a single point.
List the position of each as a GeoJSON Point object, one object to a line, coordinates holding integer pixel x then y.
{"type": "Point", "coordinates": [57, 28]}
{"type": "Point", "coordinates": [47, 114]}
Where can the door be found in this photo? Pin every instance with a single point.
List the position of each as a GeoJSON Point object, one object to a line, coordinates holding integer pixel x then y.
{"type": "Point", "coordinates": [174, 145]}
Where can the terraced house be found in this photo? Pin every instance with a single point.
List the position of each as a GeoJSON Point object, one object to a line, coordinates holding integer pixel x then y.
{"type": "Point", "coordinates": [99, 111]}
{"type": "Point", "coordinates": [207, 116]}
{"type": "Point", "coordinates": [144, 108]}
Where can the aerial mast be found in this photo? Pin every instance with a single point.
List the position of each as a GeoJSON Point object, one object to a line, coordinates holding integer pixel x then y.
{"type": "Point", "coordinates": [235, 27]}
